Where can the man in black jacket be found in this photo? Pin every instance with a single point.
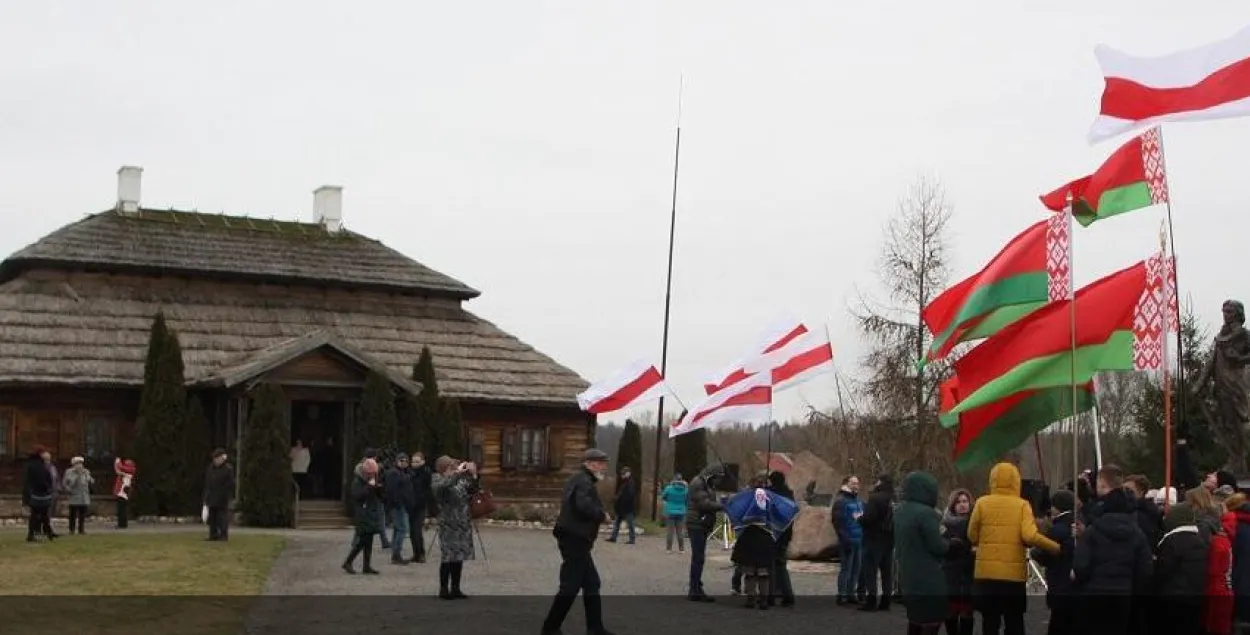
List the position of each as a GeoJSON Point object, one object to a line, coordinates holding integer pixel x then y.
{"type": "Point", "coordinates": [400, 498]}
{"type": "Point", "coordinates": [421, 478]}
{"type": "Point", "coordinates": [782, 586]}
{"type": "Point", "coordinates": [1059, 598]}
{"type": "Point", "coordinates": [581, 514]}
{"type": "Point", "coordinates": [218, 490]}
{"type": "Point", "coordinates": [878, 525]}
{"type": "Point", "coordinates": [1112, 560]}
{"type": "Point", "coordinates": [702, 508]}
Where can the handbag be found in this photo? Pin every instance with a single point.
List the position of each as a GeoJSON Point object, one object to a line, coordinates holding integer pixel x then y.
{"type": "Point", "coordinates": [482, 504]}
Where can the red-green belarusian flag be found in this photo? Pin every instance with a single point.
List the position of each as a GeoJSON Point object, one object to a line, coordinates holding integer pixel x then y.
{"type": "Point", "coordinates": [1031, 270]}
{"type": "Point", "coordinates": [988, 432]}
{"type": "Point", "coordinates": [1132, 178]}
{"type": "Point", "coordinates": [1037, 351]}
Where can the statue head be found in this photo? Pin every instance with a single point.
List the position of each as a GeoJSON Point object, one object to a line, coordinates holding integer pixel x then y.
{"type": "Point", "coordinates": [1234, 312]}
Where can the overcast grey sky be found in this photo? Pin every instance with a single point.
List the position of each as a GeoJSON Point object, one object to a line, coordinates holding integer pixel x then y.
{"type": "Point", "coordinates": [526, 147]}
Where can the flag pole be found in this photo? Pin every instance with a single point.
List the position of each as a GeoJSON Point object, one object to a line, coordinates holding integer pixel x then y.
{"type": "Point", "coordinates": [1167, 364]}
{"type": "Point", "coordinates": [1097, 423]}
{"type": "Point", "coordinates": [668, 303]}
{"type": "Point", "coordinates": [1076, 428]}
{"type": "Point", "coordinates": [1171, 237]}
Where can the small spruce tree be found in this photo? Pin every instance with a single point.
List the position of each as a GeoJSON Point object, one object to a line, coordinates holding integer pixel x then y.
{"type": "Point", "coordinates": [451, 429]}
{"type": "Point", "coordinates": [690, 453]}
{"type": "Point", "coordinates": [266, 496]}
{"type": "Point", "coordinates": [197, 446]}
{"type": "Point", "coordinates": [629, 454]}
{"type": "Point", "coordinates": [158, 445]}
{"type": "Point", "coordinates": [438, 419]}
{"type": "Point", "coordinates": [376, 417]}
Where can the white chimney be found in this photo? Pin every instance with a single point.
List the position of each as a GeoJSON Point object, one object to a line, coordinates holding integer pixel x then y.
{"type": "Point", "coordinates": [328, 207]}
{"type": "Point", "coordinates": [129, 179]}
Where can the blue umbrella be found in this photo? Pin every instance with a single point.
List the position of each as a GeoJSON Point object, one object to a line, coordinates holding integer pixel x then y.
{"type": "Point", "coordinates": [753, 506]}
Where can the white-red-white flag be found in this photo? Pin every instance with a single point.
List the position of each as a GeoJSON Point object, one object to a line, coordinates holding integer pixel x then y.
{"type": "Point", "coordinates": [637, 383]}
{"type": "Point", "coordinates": [777, 336]}
{"type": "Point", "coordinates": [800, 360]}
{"type": "Point", "coordinates": [749, 400]}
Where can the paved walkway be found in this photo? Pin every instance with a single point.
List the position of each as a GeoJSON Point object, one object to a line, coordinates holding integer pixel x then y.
{"type": "Point", "coordinates": [643, 586]}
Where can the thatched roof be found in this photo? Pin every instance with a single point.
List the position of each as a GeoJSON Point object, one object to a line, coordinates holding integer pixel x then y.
{"type": "Point", "coordinates": [234, 247]}
{"type": "Point", "coordinates": [86, 321]}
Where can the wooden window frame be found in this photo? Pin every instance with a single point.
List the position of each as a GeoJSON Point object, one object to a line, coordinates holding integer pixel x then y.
{"type": "Point", "coordinates": [477, 447]}
{"type": "Point", "coordinates": [8, 434]}
{"type": "Point", "coordinates": [512, 443]}
{"type": "Point", "coordinates": [110, 440]}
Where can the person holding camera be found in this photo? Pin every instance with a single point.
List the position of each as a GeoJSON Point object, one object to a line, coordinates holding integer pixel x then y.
{"type": "Point", "coordinates": [581, 514]}
{"type": "Point", "coordinates": [366, 495]}
{"type": "Point", "coordinates": [454, 483]}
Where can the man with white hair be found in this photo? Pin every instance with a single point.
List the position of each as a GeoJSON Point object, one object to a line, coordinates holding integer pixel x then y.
{"type": "Point", "coordinates": [581, 515]}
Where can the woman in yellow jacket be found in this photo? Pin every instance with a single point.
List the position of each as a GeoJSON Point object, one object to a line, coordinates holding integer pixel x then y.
{"type": "Point", "coordinates": [1003, 528]}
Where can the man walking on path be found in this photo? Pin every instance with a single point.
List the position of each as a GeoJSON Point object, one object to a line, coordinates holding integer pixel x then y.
{"type": "Point", "coordinates": [581, 514]}
{"type": "Point", "coordinates": [218, 491]}
{"type": "Point", "coordinates": [626, 501]}
{"type": "Point", "coordinates": [400, 500]}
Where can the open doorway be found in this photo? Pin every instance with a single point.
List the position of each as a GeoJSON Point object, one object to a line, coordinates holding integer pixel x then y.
{"type": "Point", "coordinates": [317, 427]}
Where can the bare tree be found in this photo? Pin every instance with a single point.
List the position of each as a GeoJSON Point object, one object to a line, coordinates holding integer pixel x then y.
{"type": "Point", "coordinates": [914, 269]}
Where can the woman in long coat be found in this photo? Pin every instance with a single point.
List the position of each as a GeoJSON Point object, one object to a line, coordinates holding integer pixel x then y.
{"type": "Point", "coordinates": [38, 488]}
{"type": "Point", "coordinates": [454, 483]}
{"type": "Point", "coordinates": [921, 550]}
{"type": "Point", "coordinates": [366, 492]}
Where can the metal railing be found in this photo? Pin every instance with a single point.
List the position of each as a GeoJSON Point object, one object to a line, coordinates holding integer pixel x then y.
{"type": "Point", "coordinates": [295, 516]}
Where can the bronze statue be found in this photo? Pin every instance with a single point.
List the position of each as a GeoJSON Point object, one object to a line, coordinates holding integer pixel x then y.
{"type": "Point", "coordinates": [1229, 389]}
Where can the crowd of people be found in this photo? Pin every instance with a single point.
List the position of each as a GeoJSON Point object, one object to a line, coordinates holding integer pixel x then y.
{"type": "Point", "coordinates": [43, 487]}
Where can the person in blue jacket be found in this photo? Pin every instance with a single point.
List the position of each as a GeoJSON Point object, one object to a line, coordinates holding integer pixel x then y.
{"type": "Point", "coordinates": [847, 510]}
{"type": "Point", "coordinates": [674, 497]}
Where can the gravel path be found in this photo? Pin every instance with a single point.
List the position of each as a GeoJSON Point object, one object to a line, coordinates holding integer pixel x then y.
{"type": "Point", "coordinates": [644, 591]}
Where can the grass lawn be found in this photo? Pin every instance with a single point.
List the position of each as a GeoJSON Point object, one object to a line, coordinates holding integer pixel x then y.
{"type": "Point", "coordinates": [173, 582]}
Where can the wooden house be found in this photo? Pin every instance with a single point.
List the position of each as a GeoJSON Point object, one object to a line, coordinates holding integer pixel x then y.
{"type": "Point", "coordinates": [311, 306]}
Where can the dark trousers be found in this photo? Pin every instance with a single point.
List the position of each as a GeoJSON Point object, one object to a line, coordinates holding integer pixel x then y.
{"type": "Point", "coordinates": [77, 518]}
{"type": "Point", "coordinates": [782, 586]}
{"type": "Point", "coordinates": [577, 574]}
{"type": "Point", "coordinates": [219, 523]}
{"type": "Point", "coordinates": [123, 513]}
{"type": "Point", "coordinates": [1179, 618]}
{"type": "Point", "coordinates": [1002, 606]}
{"type": "Point", "coordinates": [416, 518]}
{"type": "Point", "coordinates": [698, 553]}
{"type": "Point", "coordinates": [878, 560]}
{"type": "Point", "coordinates": [40, 522]}
{"type": "Point", "coordinates": [1105, 615]}
{"type": "Point", "coordinates": [386, 542]}
{"type": "Point", "coordinates": [1062, 615]}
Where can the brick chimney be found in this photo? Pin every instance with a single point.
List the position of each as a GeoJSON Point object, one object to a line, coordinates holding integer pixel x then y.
{"type": "Point", "coordinates": [129, 180]}
{"type": "Point", "coordinates": [328, 207]}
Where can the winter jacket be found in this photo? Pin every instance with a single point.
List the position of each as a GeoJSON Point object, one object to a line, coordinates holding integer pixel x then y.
{"type": "Point", "coordinates": [37, 486]}
{"type": "Point", "coordinates": [847, 510]}
{"type": "Point", "coordinates": [367, 501]}
{"type": "Point", "coordinates": [1241, 563]}
{"type": "Point", "coordinates": [1112, 557]}
{"type": "Point", "coordinates": [674, 497]}
{"type": "Point", "coordinates": [1058, 565]}
{"type": "Point", "coordinates": [77, 483]}
{"type": "Point", "coordinates": [423, 489]}
{"type": "Point", "coordinates": [1219, 608]}
{"type": "Point", "coordinates": [921, 550]}
{"type": "Point", "coordinates": [777, 484]}
{"type": "Point", "coordinates": [959, 564]}
{"type": "Point", "coordinates": [1181, 568]}
{"type": "Point", "coordinates": [126, 470]}
{"type": "Point", "coordinates": [1002, 526]}
{"type": "Point", "coordinates": [218, 485]}
{"type": "Point", "coordinates": [703, 505]}
{"type": "Point", "coordinates": [1149, 519]}
{"type": "Point", "coordinates": [581, 511]}
{"type": "Point", "coordinates": [398, 490]}
{"type": "Point", "coordinates": [626, 502]}
{"type": "Point", "coordinates": [877, 521]}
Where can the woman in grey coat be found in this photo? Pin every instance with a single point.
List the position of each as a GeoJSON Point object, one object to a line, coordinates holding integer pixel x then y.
{"type": "Point", "coordinates": [77, 485]}
{"type": "Point", "coordinates": [454, 484]}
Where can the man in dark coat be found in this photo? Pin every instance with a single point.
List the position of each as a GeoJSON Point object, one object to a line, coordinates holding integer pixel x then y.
{"type": "Point", "coordinates": [625, 504]}
{"type": "Point", "coordinates": [577, 526]}
{"type": "Point", "coordinates": [400, 499]}
{"type": "Point", "coordinates": [1113, 561]}
{"type": "Point", "coordinates": [37, 490]}
{"type": "Point", "coordinates": [218, 492]}
{"type": "Point", "coordinates": [878, 525]}
{"type": "Point", "coordinates": [1059, 597]}
{"type": "Point", "coordinates": [1180, 582]}
{"type": "Point", "coordinates": [1148, 516]}
{"type": "Point", "coordinates": [423, 497]}
{"type": "Point", "coordinates": [702, 508]}
{"type": "Point", "coordinates": [782, 586]}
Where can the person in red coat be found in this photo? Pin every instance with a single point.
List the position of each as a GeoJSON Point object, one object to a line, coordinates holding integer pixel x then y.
{"type": "Point", "coordinates": [122, 486]}
{"type": "Point", "coordinates": [1218, 610]}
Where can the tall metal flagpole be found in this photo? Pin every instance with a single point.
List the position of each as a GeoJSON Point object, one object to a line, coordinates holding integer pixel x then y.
{"type": "Point", "coordinates": [1076, 429]}
{"type": "Point", "coordinates": [1167, 379]}
{"type": "Point", "coordinates": [1180, 352]}
{"type": "Point", "coordinates": [668, 302]}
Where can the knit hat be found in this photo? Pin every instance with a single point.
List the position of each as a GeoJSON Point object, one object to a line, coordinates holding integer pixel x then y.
{"type": "Point", "coordinates": [1225, 478]}
{"type": "Point", "coordinates": [1063, 500]}
{"type": "Point", "coordinates": [443, 462]}
{"type": "Point", "coordinates": [1165, 495]}
{"type": "Point", "coordinates": [76, 460]}
{"type": "Point", "coordinates": [677, 476]}
{"type": "Point", "coordinates": [402, 456]}
{"type": "Point", "coordinates": [371, 453]}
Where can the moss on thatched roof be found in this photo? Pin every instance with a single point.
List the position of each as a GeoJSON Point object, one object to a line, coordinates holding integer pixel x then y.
{"type": "Point", "coordinates": [231, 247]}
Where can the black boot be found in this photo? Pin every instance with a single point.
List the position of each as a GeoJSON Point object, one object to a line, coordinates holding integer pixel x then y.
{"type": "Point", "coordinates": [593, 604]}
{"type": "Point", "coordinates": [966, 624]}
{"type": "Point", "coordinates": [368, 563]}
{"type": "Point", "coordinates": [456, 569]}
{"type": "Point", "coordinates": [870, 604]}
{"type": "Point", "coordinates": [560, 608]}
{"type": "Point", "coordinates": [444, 577]}
{"type": "Point", "coordinates": [351, 558]}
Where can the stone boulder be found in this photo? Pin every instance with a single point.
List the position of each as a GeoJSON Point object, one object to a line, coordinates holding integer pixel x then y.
{"type": "Point", "coordinates": [814, 537]}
